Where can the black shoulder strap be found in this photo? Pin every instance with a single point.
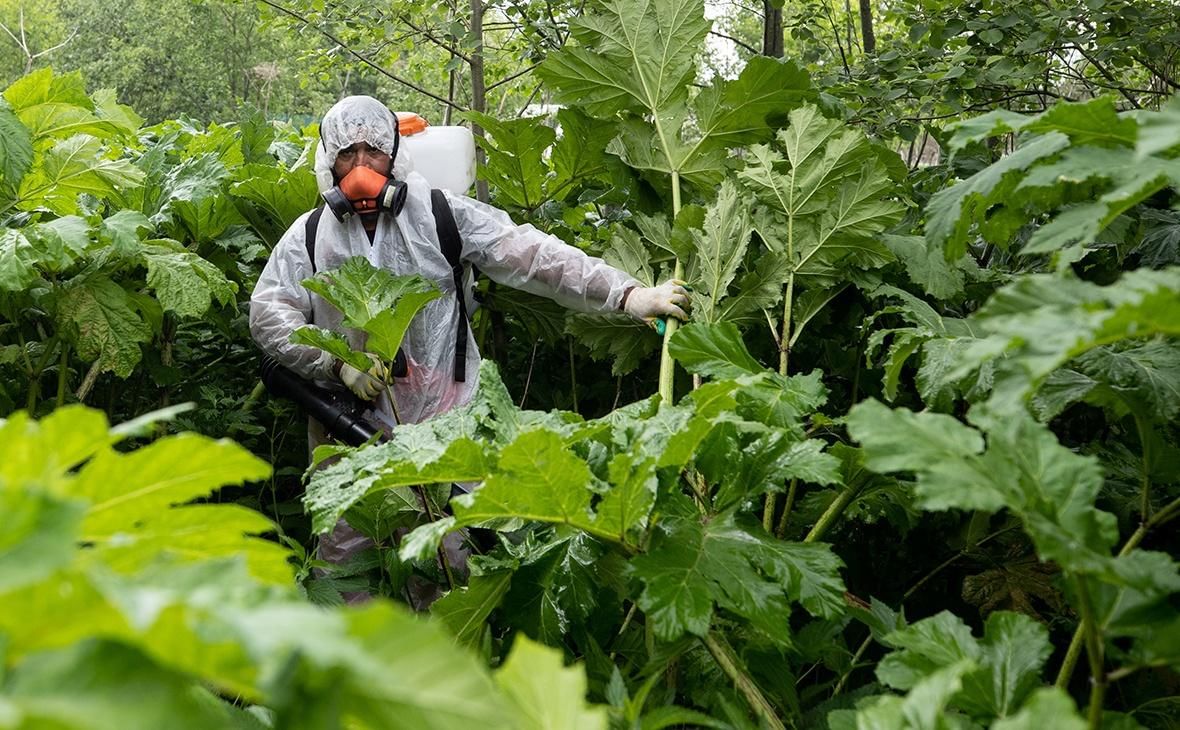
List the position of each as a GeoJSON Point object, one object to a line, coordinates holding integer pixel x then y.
{"type": "Point", "coordinates": [310, 226]}
{"type": "Point", "coordinates": [452, 250]}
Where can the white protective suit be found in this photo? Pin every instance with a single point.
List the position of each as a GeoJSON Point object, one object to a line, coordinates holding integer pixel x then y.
{"type": "Point", "coordinates": [518, 256]}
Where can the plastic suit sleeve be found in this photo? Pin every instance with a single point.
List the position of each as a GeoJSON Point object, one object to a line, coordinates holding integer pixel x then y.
{"type": "Point", "coordinates": [522, 257]}
{"type": "Point", "coordinates": [280, 305]}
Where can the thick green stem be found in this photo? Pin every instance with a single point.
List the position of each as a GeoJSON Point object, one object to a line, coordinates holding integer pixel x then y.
{"type": "Point", "coordinates": [1145, 475]}
{"type": "Point", "coordinates": [784, 346]}
{"type": "Point", "coordinates": [667, 366]}
{"type": "Point", "coordinates": [768, 509]}
{"type": "Point", "coordinates": [831, 514]}
{"type": "Point", "coordinates": [1075, 645]}
{"type": "Point", "coordinates": [1095, 655]}
{"type": "Point", "coordinates": [790, 505]}
{"type": "Point", "coordinates": [725, 657]}
{"type": "Point", "coordinates": [63, 365]}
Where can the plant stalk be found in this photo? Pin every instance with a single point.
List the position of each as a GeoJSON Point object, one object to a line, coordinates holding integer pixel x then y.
{"type": "Point", "coordinates": [725, 657]}
{"type": "Point", "coordinates": [1094, 654]}
{"type": "Point", "coordinates": [768, 510]}
{"type": "Point", "coordinates": [62, 371]}
{"type": "Point", "coordinates": [831, 514]}
{"type": "Point", "coordinates": [667, 366]}
{"type": "Point", "coordinates": [783, 519]}
{"type": "Point", "coordinates": [1075, 645]}
{"type": "Point", "coordinates": [784, 348]}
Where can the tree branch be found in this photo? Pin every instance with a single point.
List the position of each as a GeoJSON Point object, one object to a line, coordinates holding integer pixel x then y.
{"type": "Point", "coordinates": [360, 56]}
{"type": "Point", "coordinates": [739, 43]}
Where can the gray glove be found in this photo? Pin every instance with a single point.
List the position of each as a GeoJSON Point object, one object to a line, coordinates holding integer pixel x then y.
{"type": "Point", "coordinates": [669, 299]}
{"type": "Point", "coordinates": [366, 384]}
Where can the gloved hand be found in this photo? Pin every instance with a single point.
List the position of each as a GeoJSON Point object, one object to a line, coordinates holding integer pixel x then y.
{"type": "Point", "coordinates": [366, 384]}
{"type": "Point", "coordinates": [669, 299]}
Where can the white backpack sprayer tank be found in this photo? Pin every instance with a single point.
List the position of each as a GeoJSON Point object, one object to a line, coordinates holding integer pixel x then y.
{"type": "Point", "coordinates": [445, 156]}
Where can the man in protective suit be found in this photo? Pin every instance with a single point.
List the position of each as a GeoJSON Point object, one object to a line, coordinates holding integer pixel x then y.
{"type": "Point", "coordinates": [394, 228]}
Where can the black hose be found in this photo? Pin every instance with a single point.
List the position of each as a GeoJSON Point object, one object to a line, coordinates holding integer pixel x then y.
{"type": "Point", "coordinates": [338, 412]}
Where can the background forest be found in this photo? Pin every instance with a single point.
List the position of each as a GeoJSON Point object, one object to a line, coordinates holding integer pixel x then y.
{"type": "Point", "coordinates": [913, 463]}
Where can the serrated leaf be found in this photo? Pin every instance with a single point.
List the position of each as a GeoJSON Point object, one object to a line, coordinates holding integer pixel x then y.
{"type": "Point", "coordinates": [97, 315]}
{"type": "Point", "coordinates": [333, 343]}
{"type": "Point", "coordinates": [546, 694]}
{"type": "Point", "coordinates": [43, 248]}
{"type": "Point", "coordinates": [693, 566]}
{"type": "Point", "coordinates": [952, 211]}
{"type": "Point", "coordinates": [374, 300]}
{"type": "Point", "coordinates": [16, 146]}
{"type": "Point", "coordinates": [71, 167]}
{"type": "Point", "coordinates": [56, 107]}
{"type": "Point", "coordinates": [1023, 468]}
{"type": "Point", "coordinates": [617, 338]}
{"type": "Point", "coordinates": [464, 610]}
{"type": "Point", "coordinates": [716, 350]}
{"type": "Point", "coordinates": [124, 488]}
{"type": "Point", "coordinates": [825, 198]}
{"type": "Point", "coordinates": [515, 164]}
{"type": "Point", "coordinates": [1040, 322]}
{"type": "Point", "coordinates": [184, 282]}
{"type": "Point", "coordinates": [720, 249]}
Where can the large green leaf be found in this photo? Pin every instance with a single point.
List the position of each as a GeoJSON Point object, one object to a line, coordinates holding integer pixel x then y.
{"type": "Point", "coordinates": [57, 107]}
{"type": "Point", "coordinates": [716, 350]}
{"type": "Point", "coordinates": [102, 685]}
{"type": "Point", "coordinates": [953, 210]}
{"type": "Point", "coordinates": [720, 250]}
{"type": "Point", "coordinates": [71, 167]}
{"type": "Point", "coordinates": [515, 164]}
{"type": "Point", "coordinates": [184, 282]}
{"type": "Point", "coordinates": [373, 300]}
{"type": "Point", "coordinates": [43, 248]}
{"type": "Point", "coordinates": [16, 146]}
{"type": "Point", "coordinates": [823, 201]}
{"type": "Point", "coordinates": [634, 63]}
{"type": "Point", "coordinates": [1040, 322]}
{"type": "Point", "coordinates": [127, 488]}
{"type": "Point", "coordinates": [693, 566]}
{"type": "Point", "coordinates": [1023, 469]}
{"type": "Point", "coordinates": [547, 694]}
{"type": "Point", "coordinates": [998, 672]}
{"type": "Point", "coordinates": [96, 314]}
{"type": "Point", "coordinates": [464, 610]}
{"type": "Point", "coordinates": [271, 197]}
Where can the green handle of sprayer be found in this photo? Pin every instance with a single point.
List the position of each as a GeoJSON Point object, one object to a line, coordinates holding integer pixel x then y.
{"type": "Point", "coordinates": [661, 326]}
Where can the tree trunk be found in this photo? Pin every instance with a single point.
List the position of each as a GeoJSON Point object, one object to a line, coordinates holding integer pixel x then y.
{"type": "Point", "coordinates": [479, 100]}
{"type": "Point", "coordinates": [866, 27]}
{"type": "Point", "coordinates": [772, 30]}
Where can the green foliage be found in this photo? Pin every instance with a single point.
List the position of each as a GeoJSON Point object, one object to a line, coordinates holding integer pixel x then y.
{"type": "Point", "coordinates": [125, 596]}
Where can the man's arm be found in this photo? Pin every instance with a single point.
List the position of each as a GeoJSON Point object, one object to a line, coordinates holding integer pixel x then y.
{"type": "Point", "coordinates": [280, 305]}
{"type": "Point", "coordinates": [522, 257]}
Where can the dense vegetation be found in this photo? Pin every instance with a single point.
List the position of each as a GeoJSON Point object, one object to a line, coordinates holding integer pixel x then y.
{"type": "Point", "coordinates": [912, 463]}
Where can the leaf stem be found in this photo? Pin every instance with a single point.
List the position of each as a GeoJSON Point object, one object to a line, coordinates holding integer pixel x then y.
{"type": "Point", "coordinates": [729, 662]}
{"type": "Point", "coordinates": [784, 347]}
{"type": "Point", "coordinates": [768, 509]}
{"type": "Point", "coordinates": [1072, 654]}
{"type": "Point", "coordinates": [832, 513]}
{"type": "Point", "coordinates": [667, 366]}
{"type": "Point", "coordinates": [792, 491]}
{"type": "Point", "coordinates": [1145, 476]}
{"type": "Point", "coordinates": [1094, 654]}
{"type": "Point", "coordinates": [62, 371]}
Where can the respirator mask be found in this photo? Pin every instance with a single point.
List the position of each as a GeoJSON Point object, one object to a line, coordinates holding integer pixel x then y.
{"type": "Point", "coordinates": [365, 192]}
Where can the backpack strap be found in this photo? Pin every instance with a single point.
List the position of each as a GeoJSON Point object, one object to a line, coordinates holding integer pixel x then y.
{"type": "Point", "coordinates": [452, 249]}
{"type": "Point", "coordinates": [309, 229]}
